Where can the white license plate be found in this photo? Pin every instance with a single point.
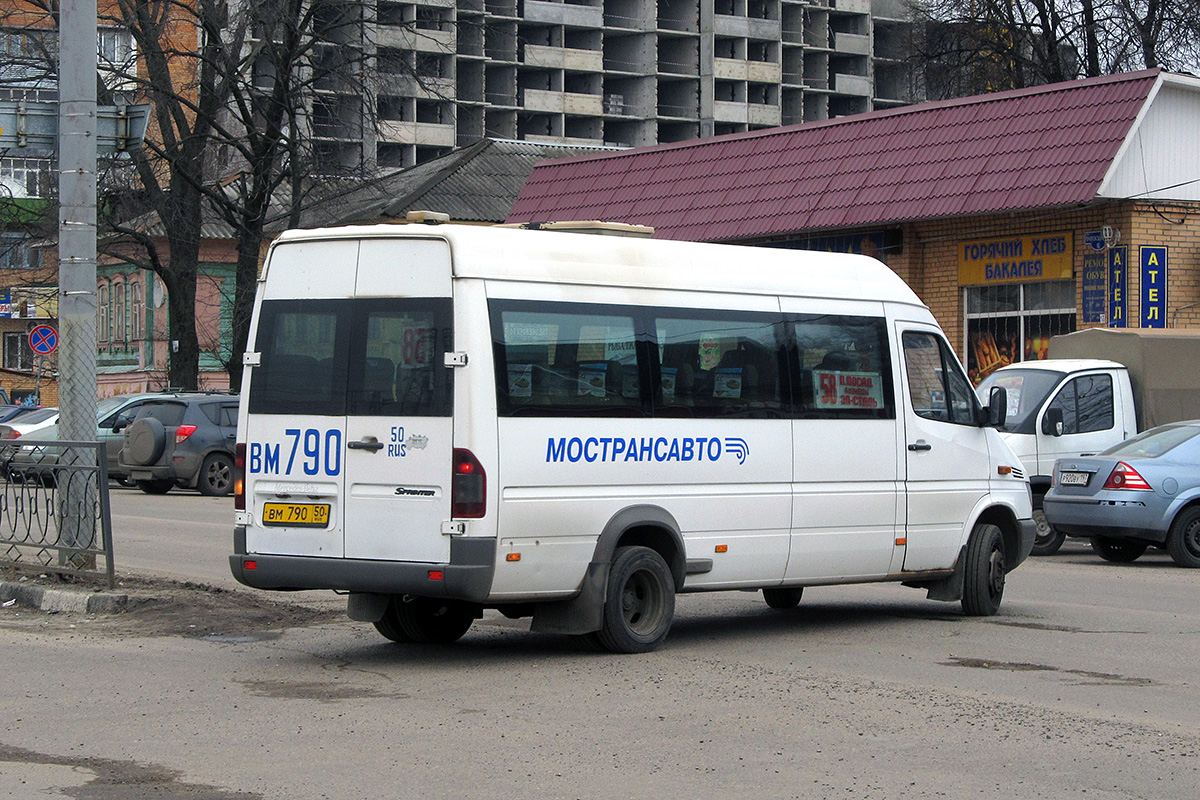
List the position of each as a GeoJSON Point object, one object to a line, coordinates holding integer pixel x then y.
{"type": "Point", "coordinates": [1073, 478]}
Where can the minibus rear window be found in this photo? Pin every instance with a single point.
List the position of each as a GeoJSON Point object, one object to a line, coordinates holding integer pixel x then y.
{"type": "Point", "coordinates": [363, 357]}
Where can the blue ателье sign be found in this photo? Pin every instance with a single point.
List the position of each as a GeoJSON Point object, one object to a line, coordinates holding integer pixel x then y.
{"type": "Point", "coordinates": [1154, 287]}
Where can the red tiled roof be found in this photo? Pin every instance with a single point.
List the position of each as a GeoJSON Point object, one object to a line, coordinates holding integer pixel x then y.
{"type": "Point", "coordinates": [1029, 148]}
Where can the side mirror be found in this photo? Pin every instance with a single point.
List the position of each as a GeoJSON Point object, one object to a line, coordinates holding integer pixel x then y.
{"type": "Point", "coordinates": [1052, 422]}
{"type": "Point", "coordinates": [120, 425]}
{"type": "Point", "coordinates": [997, 410]}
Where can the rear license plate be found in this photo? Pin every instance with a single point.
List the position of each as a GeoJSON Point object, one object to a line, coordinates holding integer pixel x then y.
{"type": "Point", "coordinates": [296, 515]}
{"type": "Point", "coordinates": [1073, 478]}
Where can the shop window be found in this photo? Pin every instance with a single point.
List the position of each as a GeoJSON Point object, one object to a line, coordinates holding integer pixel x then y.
{"type": "Point", "coordinates": [17, 352]}
{"type": "Point", "coordinates": [135, 309]}
{"type": "Point", "coordinates": [102, 314]}
{"type": "Point", "coordinates": [1014, 322]}
{"type": "Point", "coordinates": [118, 296]}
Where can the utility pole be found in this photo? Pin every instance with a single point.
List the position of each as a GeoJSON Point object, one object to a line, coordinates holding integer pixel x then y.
{"type": "Point", "coordinates": [77, 218]}
{"type": "Point", "coordinates": [77, 55]}
{"type": "Point", "coordinates": [76, 129]}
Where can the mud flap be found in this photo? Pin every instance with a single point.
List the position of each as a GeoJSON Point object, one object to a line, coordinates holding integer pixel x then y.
{"type": "Point", "coordinates": [950, 588]}
{"type": "Point", "coordinates": [583, 613]}
{"type": "Point", "coordinates": [366, 607]}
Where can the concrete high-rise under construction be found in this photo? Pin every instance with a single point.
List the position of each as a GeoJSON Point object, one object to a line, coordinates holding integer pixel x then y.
{"type": "Point", "coordinates": [617, 72]}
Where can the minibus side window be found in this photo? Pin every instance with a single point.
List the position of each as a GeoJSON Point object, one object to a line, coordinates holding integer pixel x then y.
{"type": "Point", "coordinates": [714, 364]}
{"type": "Point", "coordinates": [560, 359]}
{"type": "Point", "coordinates": [936, 386]}
{"type": "Point", "coordinates": [844, 368]}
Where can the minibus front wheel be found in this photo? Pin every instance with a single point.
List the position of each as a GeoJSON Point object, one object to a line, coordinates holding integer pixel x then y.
{"type": "Point", "coordinates": [640, 601]}
{"type": "Point", "coordinates": [983, 580]}
{"type": "Point", "coordinates": [425, 620]}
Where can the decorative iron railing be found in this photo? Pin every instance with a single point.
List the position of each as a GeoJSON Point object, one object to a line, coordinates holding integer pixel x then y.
{"type": "Point", "coordinates": [54, 508]}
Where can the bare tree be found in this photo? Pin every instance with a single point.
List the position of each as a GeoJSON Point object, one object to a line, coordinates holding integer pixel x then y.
{"type": "Point", "coordinates": [241, 92]}
{"type": "Point", "coordinates": [239, 137]}
{"type": "Point", "coordinates": [975, 46]}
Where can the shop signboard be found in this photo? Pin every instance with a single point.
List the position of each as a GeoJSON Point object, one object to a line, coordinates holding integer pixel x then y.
{"type": "Point", "coordinates": [1117, 281]}
{"type": "Point", "coordinates": [1016, 259]}
{"type": "Point", "coordinates": [1095, 280]}
{"type": "Point", "coordinates": [1154, 286]}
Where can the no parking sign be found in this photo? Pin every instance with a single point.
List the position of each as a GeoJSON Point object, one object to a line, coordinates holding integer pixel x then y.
{"type": "Point", "coordinates": [43, 340]}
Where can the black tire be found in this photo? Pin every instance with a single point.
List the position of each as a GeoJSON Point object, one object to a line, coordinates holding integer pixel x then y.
{"type": "Point", "coordinates": [145, 441]}
{"type": "Point", "coordinates": [426, 620]}
{"type": "Point", "coordinates": [1047, 540]}
{"type": "Point", "coordinates": [389, 625]}
{"type": "Point", "coordinates": [985, 570]}
{"type": "Point", "coordinates": [158, 486]}
{"type": "Point", "coordinates": [1118, 551]}
{"type": "Point", "coordinates": [216, 475]}
{"type": "Point", "coordinates": [1183, 540]}
{"type": "Point", "coordinates": [640, 603]}
{"type": "Point", "coordinates": [783, 598]}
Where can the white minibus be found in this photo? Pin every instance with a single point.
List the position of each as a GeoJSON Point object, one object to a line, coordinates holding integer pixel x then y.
{"type": "Point", "coordinates": [440, 419]}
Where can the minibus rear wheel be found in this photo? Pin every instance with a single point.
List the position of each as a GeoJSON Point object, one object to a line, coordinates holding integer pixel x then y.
{"type": "Point", "coordinates": [983, 582]}
{"type": "Point", "coordinates": [640, 603]}
{"type": "Point", "coordinates": [425, 620]}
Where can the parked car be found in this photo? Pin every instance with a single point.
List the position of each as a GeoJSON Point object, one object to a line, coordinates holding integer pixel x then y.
{"type": "Point", "coordinates": [113, 415]}
{"type": "Point", "coordinates": [1143, 492]}
{"type": "Point", "coordinates": [9, 411]}
{"type": "Point", "coordinates": [29, 424]}
{"type": "Point", "coordinates": [22, 462]}
{"type": "Point", "coordinates": [186, 440]}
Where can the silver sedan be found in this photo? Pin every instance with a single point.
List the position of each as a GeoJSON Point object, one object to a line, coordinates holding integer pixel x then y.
{"type": "Point", "coordinates": [1142, 492]}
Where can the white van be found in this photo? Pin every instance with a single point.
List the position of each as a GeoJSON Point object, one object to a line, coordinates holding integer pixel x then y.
{"type": "Point", "coordinates": [440, 419]}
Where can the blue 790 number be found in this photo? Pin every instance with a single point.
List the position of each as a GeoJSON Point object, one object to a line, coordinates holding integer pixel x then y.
{"type": "Point", "coordinates": [310, 451]}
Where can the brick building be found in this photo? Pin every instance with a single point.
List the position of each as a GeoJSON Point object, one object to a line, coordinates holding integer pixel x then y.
{"type": "Point", "coordinates": [1015, 216]}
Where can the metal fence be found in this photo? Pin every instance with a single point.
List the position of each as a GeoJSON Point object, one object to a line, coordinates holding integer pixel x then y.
{"type": "Point", "coordinates": [54, 508]}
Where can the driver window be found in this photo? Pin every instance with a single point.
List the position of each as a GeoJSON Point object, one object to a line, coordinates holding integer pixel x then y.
{"type": "Point", "coordinates": [1086, 404]}
{"type": "Point", "coordinates": [937, 387]}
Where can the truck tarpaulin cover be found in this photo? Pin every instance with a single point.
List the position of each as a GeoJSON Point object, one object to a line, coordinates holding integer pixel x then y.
{"type": "Point", "coordinates": [1163, 364]}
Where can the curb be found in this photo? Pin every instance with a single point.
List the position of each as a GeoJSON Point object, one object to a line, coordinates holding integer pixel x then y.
{"type": "Point", "coordinates": [64, 600]}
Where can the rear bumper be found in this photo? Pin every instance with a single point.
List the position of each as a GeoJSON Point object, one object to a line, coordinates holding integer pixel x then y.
{"type": "Point", "coordinates": [468, 575]}
{"type": "Point", "coordinates": [1090, 517]}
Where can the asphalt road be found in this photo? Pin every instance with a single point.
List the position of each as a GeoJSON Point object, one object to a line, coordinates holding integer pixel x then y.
{"type": "Point", "coordinates": [1084, 686]}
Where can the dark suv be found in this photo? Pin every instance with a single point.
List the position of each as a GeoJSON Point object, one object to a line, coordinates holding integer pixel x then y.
{"type": "Point", "coordinates": [187, 441]}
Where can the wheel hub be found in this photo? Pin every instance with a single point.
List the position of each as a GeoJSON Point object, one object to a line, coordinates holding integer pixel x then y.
{"type": "Point", "coordinates": [996, 573]}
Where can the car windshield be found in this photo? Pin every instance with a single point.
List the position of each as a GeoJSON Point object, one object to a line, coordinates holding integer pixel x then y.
{"type": "Point", "coordinates": [1153, 443]}
{"type": "Point", "coordinates": [109, 404]}
{"type": "Point", "coordinates": [1027, 390]}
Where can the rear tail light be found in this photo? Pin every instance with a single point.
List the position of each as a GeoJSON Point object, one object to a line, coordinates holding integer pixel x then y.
{"type": "Point", "coordinates": [239, 477]}
{"type": "Point", "coordinates": [468, 492]}
{"type": "Point", "coordinates": [1126, 477]}
{"type": "Point", "coordinates": [183, 432]}
{"type": "Point", "coordinates": [11, 434]}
